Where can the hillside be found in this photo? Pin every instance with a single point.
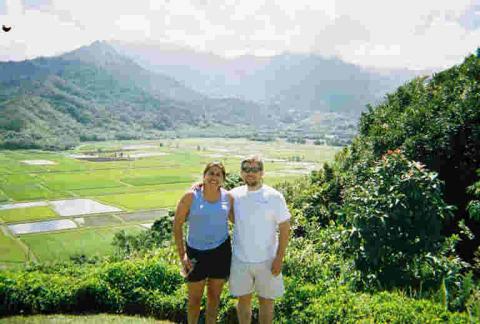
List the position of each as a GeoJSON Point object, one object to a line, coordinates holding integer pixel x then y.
{"type": "Point", "coordinates": [94, 93]}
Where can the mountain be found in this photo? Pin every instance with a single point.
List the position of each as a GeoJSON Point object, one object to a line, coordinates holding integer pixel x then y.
{"type": "Point", "coordinates": [95, 93]}
{"type": "Point", "coordinates": [288, 81]}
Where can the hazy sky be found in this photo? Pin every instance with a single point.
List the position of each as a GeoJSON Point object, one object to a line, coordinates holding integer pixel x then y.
{"type": "Point", "coordinates": [415, 34]}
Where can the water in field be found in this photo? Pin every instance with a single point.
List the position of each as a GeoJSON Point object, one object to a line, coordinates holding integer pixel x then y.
{"type": "Point", "coordinates": [74, 207]}
{"type": "Point", "coordinates": [37, 227]}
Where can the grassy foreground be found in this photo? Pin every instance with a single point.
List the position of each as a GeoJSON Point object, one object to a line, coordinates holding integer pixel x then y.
{"type": "Point", "coordinates": [100, 319]}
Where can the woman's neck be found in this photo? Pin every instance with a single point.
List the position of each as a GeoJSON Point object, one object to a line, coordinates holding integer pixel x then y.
{"type": "Point", "coordinates": [211, 192]}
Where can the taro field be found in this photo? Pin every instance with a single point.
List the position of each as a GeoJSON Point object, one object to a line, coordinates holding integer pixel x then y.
{"type": "Point", "coordinates": [54, 205]}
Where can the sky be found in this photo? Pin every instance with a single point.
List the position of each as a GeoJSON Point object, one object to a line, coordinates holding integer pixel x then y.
{"type": "Point", "coordinates": [412, 34]}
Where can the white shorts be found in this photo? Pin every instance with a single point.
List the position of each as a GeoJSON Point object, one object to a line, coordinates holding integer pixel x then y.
{"type": "Point", "coordinates": [247, 277]}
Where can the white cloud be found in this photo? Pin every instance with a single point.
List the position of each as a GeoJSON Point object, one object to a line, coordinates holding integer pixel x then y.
{"type": "Point", "coordinates": [413, 34]}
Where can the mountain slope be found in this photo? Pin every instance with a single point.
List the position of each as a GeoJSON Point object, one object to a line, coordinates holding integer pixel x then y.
{"type": "Point", "coordinates": [94, 93]}
{"type": "Point", "coordinates": [290, 81]}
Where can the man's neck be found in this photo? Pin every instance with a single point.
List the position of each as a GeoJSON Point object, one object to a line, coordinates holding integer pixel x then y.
{"type": "Point", "coordinates": [254, 188]}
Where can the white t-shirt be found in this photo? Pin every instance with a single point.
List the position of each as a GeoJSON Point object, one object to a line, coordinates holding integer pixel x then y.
{"type": "Point", "coordinates": [257, 215]}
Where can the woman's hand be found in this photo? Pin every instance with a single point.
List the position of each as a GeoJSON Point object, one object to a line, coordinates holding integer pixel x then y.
{"type": "Point", "coordinates": [187, 265]}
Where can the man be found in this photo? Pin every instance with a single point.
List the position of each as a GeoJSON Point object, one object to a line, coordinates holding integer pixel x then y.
{"type": "Point", "coordinates": [257, 252]}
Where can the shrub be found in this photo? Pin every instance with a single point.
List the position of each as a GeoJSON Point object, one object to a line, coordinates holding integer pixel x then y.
{"type": "Point", "coordinates": [394, 218]}
{"type": "Point", "coordinates": [435, 121]}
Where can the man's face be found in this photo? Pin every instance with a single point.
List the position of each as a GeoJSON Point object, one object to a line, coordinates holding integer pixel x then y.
{"type": "Point", "coordinates": [251, 173]}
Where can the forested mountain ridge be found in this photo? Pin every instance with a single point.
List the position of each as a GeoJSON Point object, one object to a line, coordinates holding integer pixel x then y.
{"type": "Point", "coordinates": [94, 93]}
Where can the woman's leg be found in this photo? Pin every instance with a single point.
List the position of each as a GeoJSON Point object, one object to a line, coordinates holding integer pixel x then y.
{"type": "Point", "coordinates": [214, 289]}
{"type": "Point", "coordinates": [195, 293]}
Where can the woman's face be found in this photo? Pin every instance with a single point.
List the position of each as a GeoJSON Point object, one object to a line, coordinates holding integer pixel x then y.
{"type": "Point", "coordinates": [214, 176]}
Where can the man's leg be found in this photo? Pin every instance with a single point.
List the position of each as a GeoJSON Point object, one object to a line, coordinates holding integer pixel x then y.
{"type": "Point", "coordinates": [266, 310]}
{"type": "Point", "coordinates": [244, 309]}
{"type": "Point", "coordinates": [195, 293]}
{"type": "Point", "coordinates": [214, 289]}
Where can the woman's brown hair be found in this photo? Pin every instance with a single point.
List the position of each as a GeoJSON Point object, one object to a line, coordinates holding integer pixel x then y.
{"type": "Point", "coordinates": [217, 164]}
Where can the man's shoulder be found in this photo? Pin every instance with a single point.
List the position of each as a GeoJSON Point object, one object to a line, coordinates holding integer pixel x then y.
{"type": "Point", "coordinates": [271, 192]}
{"type": "Point", "coordinates": [237, 190]}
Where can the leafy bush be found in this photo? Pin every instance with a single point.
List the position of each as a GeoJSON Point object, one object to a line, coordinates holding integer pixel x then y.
{"type": "Point", "coordinates": [394, 218]}
{"type": "Point", "coordinates": [435, 121]}
{"type": "Point", "coordinates": [159, 235]}
{"type": "Point", "coordinates": [232, 180]}
{"type": "Point", "coordinates": [110, 287]}
{"type": "Point", "coordinates": [339, 305]}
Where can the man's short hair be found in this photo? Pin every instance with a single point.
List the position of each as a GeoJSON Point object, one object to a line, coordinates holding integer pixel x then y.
{"type": "Point", "coordinates": [253, 159]}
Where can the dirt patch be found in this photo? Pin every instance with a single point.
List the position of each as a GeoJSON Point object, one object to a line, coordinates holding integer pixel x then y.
{"type": "Point", "coordinates": [146, 154]}
{"type": "Point", "coordinates": [138, 147]}
{"type": "Point", "coordinates": [100, 220]}
{"type": "Point", "coordinates": [143, 216]}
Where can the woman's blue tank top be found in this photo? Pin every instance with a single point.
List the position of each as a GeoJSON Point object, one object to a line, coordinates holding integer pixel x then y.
{"type": "Point", "coordinates": [208, 222]}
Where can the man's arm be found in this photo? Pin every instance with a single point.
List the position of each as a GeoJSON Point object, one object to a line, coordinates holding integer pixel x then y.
{"type": "Point", "coordinates": [284, 229]}
{"type": "Point", "coordinates": [181, 213]}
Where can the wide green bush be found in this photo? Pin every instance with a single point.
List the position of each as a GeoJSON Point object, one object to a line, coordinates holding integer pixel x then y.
{"type": "Point", "coordinates": [110, 286]}
{"type": "Point", "coordinates": [394, 216]}
{"type": "Point", "coordinates": [435, 121]}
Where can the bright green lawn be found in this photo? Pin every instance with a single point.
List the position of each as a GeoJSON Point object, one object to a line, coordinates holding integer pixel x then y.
{"type": "Point", "coordinates": [82, 180]}
{"type": "Point", "coordinates": [166, 179]}
{"type": "Point", "coordinates": [60, 246]}
{"type": "Point", "coordinates": [144, 200]}
{"type": "Point", "coordinates": [29, 191]}
{"type": "Point", "coordinates": [80, 319]}
{"type": "Point", "coordinates": [10, 251]}
{"type": "Point", "coordinates": [26, 214]}
{"type": "Point", "coordinates": [132, 189]}
{"type": "Point", "coordinates": [3, 197]}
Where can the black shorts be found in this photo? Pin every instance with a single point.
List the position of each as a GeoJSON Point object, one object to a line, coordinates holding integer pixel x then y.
{"type": "Point", "coordinates": [214, 263]}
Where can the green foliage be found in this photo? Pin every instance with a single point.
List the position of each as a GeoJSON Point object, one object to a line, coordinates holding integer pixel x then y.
{"type": "Point", "coordinates": [316, 198]}
{"type": "Point", "coordinates": [159, 235]}
{"type": "Point", "coordinates": [111, 287]}
{"type": "Point", "coordinates": [232, 180]}
{"type": "Point", "coordinates": [434, 121]}
{"type": "Point", "coordinates": [394, 218]}
{"type": "Point", "coordinates": [473, 206]}
{"type": "Point", "coordinates": [339, 305]}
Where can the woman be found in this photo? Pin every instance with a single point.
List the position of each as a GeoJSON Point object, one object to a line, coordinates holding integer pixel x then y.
{"type": "Point", "coordinates": [206, 258]}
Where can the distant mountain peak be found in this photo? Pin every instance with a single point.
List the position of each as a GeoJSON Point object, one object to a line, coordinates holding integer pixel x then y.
{"type": "Point", "coordinates": [99, 53]}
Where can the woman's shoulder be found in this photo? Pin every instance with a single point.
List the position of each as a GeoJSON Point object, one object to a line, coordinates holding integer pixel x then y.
{"type": "Point", "coordinates": [189, 195]}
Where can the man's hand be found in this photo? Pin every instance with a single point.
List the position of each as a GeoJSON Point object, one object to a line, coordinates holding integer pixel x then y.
{"type": "Point", "coordinates": [197, 186]}
{"type": "Point", "coordinates": [277, 266]}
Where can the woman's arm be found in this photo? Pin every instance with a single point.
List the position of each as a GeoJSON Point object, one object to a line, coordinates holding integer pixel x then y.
{"type": "Point", "coordinates": [231, 214]}
{"type": "Point", "coordinates": [181, 213]}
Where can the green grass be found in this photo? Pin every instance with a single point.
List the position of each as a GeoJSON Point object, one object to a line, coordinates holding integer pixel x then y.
{"type": "Point", "coordinates": [3, 197]}
{"type": "Point", "coordinates": [131, 189]}
{"type": "Point", "coordinates": [29, 191]}
{"type": "Point", "coordinates": [73, 181]}
{"type": "Point", "coordinates": [27, 214]}
{"type": "Point", "coordinates": [143, 201]}
{"type": "Point", "coordinates": [24, 187]}
{"type": "Point", "coordinates": [80, 319]}
{"type": "Point", "coordinates": [60, 246]}
{"type": "Point", "coordinates": [161, 179]}
{"type": "Point", "coordinates": [10, 250]}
